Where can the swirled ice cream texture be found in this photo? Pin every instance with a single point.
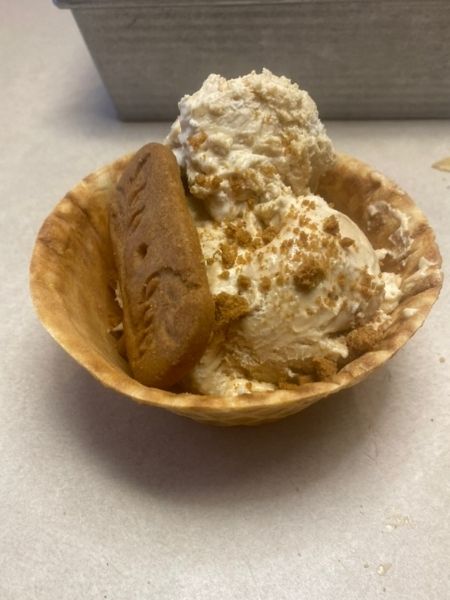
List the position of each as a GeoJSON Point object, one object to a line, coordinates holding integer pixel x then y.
{"type": "Point", "coordinates": [290, 274]}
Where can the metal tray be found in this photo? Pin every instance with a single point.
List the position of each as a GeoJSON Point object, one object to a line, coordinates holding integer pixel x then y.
{"type": "Point", "coordinates": [359, 59]}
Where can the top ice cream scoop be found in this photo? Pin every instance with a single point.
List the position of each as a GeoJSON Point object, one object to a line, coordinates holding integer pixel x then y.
{"type": "Point", "coordinates": [242, 141]}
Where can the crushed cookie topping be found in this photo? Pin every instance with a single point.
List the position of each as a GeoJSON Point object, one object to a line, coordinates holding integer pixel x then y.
{"type": "Point", "coordinates": [265, 284]}
{"type": "Point", "coordinates": [207, 182]}
{"type": "Point", "coordinates": [256, 242]}
{"type": "Point", "coordinates": [291, 215]}
{"type": "Point", "coordinates": [196, 140]}
{"type": "Point", "coordinates": [251, 200]}
{"type": "Point", "coordinates": [229, 308]}
{"type": "Point", "coordinates": [243, 282]}
{"type": "Point", "coordinates": [268, 234]}
{"type": "Point", "coordinates": [331, 225]}
{"type": "Point", "coordinates": [242, 185]}
{"type": "Point", "coordinates": [268, 169]}
{"type": "Point", "coordinates": [238, 233]}
{"type": "Point", "coordinates": [309, 204]}
{"type": "Point", "coordinates": [324, 368]}
{"type": "Point", "coordinates": [304, 221]}
{"type": "Point", "coordinates": [315, 369]}
{"type": "Point", "coordinates": [331, 299]}
{"type": "Point", "coordinates": [363, 339]}
{"type": "Point", "coordinates": [230, 230]}
{"type": "Point", "coordinates": [366, 286]}
{"type": "Point", "coordinates": [228, 254]}
{"type": "Point", "coordinates": [241, 260]}
{"type": "Point", "coordinates": [286, 245]}
{"type": "Point", "coordinates": [303, 237]}
{"type": "Point", "coordinates": [309, 274]}
{"type": "Point", "coordinates": [346, 242]}
{"type": "Point", "coordinates": [243, 237]}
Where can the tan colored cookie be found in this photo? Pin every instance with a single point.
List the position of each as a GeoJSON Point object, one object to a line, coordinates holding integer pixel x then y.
{"type": "Point", "coordinates": [168, 310]}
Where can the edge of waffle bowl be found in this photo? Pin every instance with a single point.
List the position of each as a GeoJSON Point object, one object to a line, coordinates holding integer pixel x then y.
{"type": "Point", "coordinates": [73, 246]}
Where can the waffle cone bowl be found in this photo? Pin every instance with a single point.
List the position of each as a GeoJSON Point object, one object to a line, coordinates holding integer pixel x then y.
{"type": "Point", "coordinates": [72, 280]}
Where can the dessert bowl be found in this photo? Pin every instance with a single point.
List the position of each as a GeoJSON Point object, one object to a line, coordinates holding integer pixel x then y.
{"type": "Point", "coordinates": [73, 278]}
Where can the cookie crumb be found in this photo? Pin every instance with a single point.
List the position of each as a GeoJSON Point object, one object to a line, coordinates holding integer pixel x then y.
{"type": "Point", "coordinates": [265, 284]}
{"type": "Point", "coordinates": [366, 285]}
{"type": "Point", "coordinates": [237, 232]}
{"type": "Point", "coordinates": [230, 308]}
{"type": "Point", "coordinates": [229, 254]}
{"type": "Point", "coordinates": [268, 234]}
{"type": "Point", "coordinates": [243, 282]}
{"type": "Point", "coordinates": [331, 225]}
{"type": "Point", "coordinates": [324, 368]}
{"type": "Point", "coordinates": [309, 274]}
{"type": "Point", "coordinates": [363, 339]}
{"type": "Point", "coordinates": [346, 242]}
{"type": "Point", "coordinates": [204, 182]}
{"type": "Point", "coordinates": [243, 260]}
{"type": "Point", "coordinates": [243, 237]}
{"type": "Point", "coordinates": [196, 140]}
{"type": "Point", "coordinates": [286, 245]}
{"type": "Point", "coordinates": [309, 204]}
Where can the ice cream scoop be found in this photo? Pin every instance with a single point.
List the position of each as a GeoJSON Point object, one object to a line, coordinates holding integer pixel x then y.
{"type": "Point", "coordinates": [305, 274]}
{"type": "Point", "coordinates": [241, 141]}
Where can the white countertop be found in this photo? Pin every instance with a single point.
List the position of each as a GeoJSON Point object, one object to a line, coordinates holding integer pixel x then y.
{"type": "Point", "coordinates": [101, 498]}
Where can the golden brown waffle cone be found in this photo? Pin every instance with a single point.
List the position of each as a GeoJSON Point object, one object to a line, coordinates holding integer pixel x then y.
{"type": "Point", "coordinates": [72, 278]}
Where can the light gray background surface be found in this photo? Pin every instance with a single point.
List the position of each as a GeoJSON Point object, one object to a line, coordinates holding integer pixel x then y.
{"type": "Point", "coordinates": [100, 498]}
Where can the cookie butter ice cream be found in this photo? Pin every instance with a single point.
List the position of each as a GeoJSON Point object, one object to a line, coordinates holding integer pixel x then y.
{"type": "Point", "coordinates": [243, 141]}
{"type": "Point", "coordinates": [290, 275]}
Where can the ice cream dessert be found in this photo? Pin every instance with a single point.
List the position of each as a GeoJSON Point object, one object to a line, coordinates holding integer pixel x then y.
{"type": "Point", "coordinates": [297, 285]}
{"type": "Point", "coordinates": [241, 287]}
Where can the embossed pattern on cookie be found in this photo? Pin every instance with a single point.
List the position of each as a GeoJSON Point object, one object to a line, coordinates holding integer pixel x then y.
{"type": "Point", "coordinates": [168, 308]}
